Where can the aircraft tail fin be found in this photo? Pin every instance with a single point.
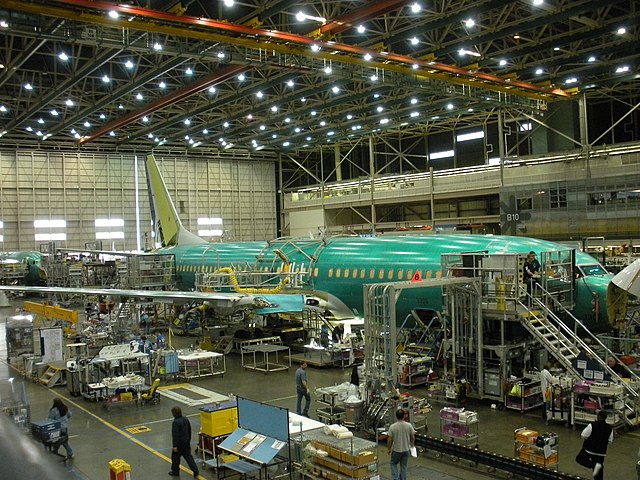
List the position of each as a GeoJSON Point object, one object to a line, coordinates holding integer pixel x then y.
{"type": "Point", "coordinates": [163, 212]}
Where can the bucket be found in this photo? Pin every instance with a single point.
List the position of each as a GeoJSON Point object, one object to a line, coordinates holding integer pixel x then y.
{"type": "Point", "coordinates": [352, 412]}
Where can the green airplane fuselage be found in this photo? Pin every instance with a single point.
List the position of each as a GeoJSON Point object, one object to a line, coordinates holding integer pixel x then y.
{"type": "Point", "coordinates": [342, 265]}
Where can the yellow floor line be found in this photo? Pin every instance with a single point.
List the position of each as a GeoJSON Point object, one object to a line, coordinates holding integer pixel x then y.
{"type": "Point", "coordinates": [124, 433]}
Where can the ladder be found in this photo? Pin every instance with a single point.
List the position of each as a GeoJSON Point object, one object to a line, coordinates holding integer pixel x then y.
{"type": "Point", "coordinates": [52, 375]}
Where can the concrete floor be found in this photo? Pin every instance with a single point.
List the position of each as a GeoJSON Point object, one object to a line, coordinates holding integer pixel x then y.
{"type": "Point", "coordinates": [99, 436]}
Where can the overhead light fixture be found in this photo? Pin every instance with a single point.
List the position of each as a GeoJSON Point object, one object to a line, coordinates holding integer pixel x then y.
{"type": "Point", "coordinates": [112, 133]}
{"type": "Point", "coordinates": [63, 56]}
{"type": "Point", "coordinates": [502, 62]}
{"type": "Point", "coordinates": [225, 124]}
{"type": "Point", "coordinates": [297, 129]}
{"type": "Point", "coordinates": [145, 119]}
{"type": "Point", "coordinates": [349, 116]}
{"type": "Point", "coordinates": [228, 3]}
{"type": "Point", "coordinates": [328, 70]}
{"type": "Point", "coordinates": [157, 47]}
{"type": "Point", "coordinates": [315, 48]}
{"type": "Point", "coordinates": [139, 96]}
{"type": "Point", "coordinates": [241, 77]}
{"type": "Point", "coordinates": [449, 106]}
{"type": "Point", "coordinates": [162, 85]}
{"type": "Point", "coordinates": [335, 89]}
{"type": "Point", "coordinates": [40, 121]}
{"type": "Point", "coordinates": [539, 71]}
{"type": "Point", "coordinates": [69, 103]}
{"type": "Point", "coordinates": [113, 14]}
{"type": "Point", "coordinates": [571, 80]}
{"type": "Point", "coordinates": [87, 124]}
{"type": "Point", "coordinates": [323, 123]}
{"type": "Point", "coordinates": [414, 41]}
{"type": "Point", "coordinates": [212, 89]}
{"type": "Point", "coordinates": [106, 79]}
{"type": "Point", "coordinates": [28, 86]}
{"type": "Point", "coordinates": [128, 64]}
{"type": "Point", "coordinates": [188, 71]}
{"type": "Point", "coordinates": [220, 55]}
{"type": "Point", "coordinates": [263, 127]}
{"type": "Point", "coordinates": [313, 113]}
{"type": "Point", "coordinates": [53, 112]}
{"type": "Point", "coordinates": [187, 121]}
{"type": "Point", "coordinates": [463, 51]}
{"type": "Point", "coordinates": [374, 78]}
{"type": "Point", "coordinates": [621, 31]}
{"type": "Point", "coordinates": [379, 108]}
{"type": "Point", "coordinates": [367, 57]}
{"type": "Point", "coordinates": [622, 69]}
{"type": "Point", "coordinates": [274, 109]}
{"type": "Point", "coordinates": [360, 29]}
{"type": "Point", "coordinates": [591, 59]}
{"type": "Point", "coordinates": [414, 114]}
{"type": "Point", "coordinates": [290, 83]}
{"type": "Point", "coordinates": [120, 107]}
{"type": "Point", "coordinates": [29, 129]}
{"type": "Point", "coordinates": [303, 99]}
{"type": "Point", "coordinates": [259, 94]}
{"type": "Point", "coordinates": [286, 144]}
{"type": "Point", "coordinates": [537, 3]}
{"type": "Point", "coordinates": [384, 121]}
{"type": "Point", "coordinates": [415, 7]}
{"type": "Point", "coordinates": [287, 120]}
{"type": "Point", "coordinates": [301, 17]}
{"type": "Point", "coordinates": [4, 24]}
{"type": "Point", "coordinates": [414, 101]}
{"type": "Point", "coordinates": [205, 132]}
{"type": "Point", "coordinates": [469, 22]}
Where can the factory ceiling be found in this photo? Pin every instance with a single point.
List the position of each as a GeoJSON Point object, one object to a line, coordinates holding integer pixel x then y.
{"type": "Point", "coordinates": [259, 77]}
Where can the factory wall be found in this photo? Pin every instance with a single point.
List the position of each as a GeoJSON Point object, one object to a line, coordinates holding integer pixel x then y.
{"type": "Point", "coordinates": [82, 187]}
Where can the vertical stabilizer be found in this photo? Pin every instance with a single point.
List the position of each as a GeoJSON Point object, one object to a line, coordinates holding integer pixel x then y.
{"type": "Point", "coordinates": [163, 211]}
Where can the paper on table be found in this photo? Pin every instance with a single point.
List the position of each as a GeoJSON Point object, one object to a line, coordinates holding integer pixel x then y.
{"type": "Point", "coordinates": [414, 451]}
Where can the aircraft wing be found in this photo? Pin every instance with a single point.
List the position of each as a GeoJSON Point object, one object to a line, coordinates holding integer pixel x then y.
{"type": "Point", "coordinates": [222, 301]}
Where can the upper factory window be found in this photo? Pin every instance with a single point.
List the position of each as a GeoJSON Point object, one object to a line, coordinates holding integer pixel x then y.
{"type": "Point", "coordinates": [557, 196]}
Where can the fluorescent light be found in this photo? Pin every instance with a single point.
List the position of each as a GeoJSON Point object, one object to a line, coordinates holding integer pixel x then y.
{"type": "Point", "coordinates": [109, 222]}
{"type": "Point", "coordinates": [464, 137]}
{"type": "Point", "coordinates": [444, 154]}
{"type": "Point", "coordinates": [109, 235]}
{"type": "Point", "coordinates": [47, 237]}
{"type": "Point", "coordinates": [210, 221]}
{"type": "Point", "coordinates": [50, 224]}
{"type": "Point", "coordinates": [210, 233]}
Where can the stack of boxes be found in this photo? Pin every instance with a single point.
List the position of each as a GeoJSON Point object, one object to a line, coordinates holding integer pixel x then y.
{"type": "Point", "coordinates": [339, 463]}
{"type": "Point", "coordinates": [529, 449]}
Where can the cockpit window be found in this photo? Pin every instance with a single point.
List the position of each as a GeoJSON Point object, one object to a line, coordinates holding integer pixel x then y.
{"type": "Point", "coordinates": [589, 270]}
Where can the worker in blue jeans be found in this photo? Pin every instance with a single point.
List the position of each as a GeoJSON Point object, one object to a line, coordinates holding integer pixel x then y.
{"type": "Point", "coordinates": [401, 438]}
{"type": "Point", "coordinates": [302, 390]}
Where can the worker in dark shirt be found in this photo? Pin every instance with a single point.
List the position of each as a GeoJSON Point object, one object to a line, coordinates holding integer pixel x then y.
{"type": "Point", "coordinates": [181, 436]}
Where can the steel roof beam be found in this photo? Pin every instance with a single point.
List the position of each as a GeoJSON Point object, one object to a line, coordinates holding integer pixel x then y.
{"type": "Point", "coordinates": [369, 11]}
{"type": "Point", "coordinates": [277, 40]}
{"type": "Point", "coordinates": [208, 81]}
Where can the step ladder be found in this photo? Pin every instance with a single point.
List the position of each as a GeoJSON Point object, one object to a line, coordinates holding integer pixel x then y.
{"type": "Point", "coordinates": [52, 375]}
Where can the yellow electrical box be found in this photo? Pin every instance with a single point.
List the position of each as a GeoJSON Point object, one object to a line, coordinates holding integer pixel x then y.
{"type": "Point", "coordinates": [217, 420]}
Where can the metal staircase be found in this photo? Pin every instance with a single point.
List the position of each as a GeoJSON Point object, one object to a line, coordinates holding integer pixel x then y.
{"type": "Point", "coordinates": [566, 344]}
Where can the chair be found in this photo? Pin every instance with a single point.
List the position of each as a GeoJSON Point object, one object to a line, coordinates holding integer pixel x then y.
{"type": "Point", "coordinates": [152, 394]}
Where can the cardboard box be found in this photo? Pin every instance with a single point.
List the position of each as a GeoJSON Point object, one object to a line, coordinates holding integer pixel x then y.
{"type": "Point", "coordinates": [526, 436]}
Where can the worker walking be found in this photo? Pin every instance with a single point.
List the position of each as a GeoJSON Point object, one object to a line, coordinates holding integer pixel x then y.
{"type": "Point", "coordinates": [401, 440]}
{"type": "Point", "coordinates": [597, 436]}
{"type": "Point", "coordinates": [181, 437]}
{"type": "Point", "coordinates": [59, 411]}
{"type": "Point", "coordinates": [302, 390]}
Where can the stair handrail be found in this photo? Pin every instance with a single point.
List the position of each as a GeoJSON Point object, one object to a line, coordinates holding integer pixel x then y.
{"type": "Point", "coordinates": [581, 343]}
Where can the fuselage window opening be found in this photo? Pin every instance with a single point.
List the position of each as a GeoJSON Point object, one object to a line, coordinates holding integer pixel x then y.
{"type": "Point", "coordinates": [381, 274]}
{"type": "Point", "coordinates": [428, 274]}
{"type": "Point", "coordinates": [438, 273]}
{"type": "Point", "coordinates": [330, 273]}
{"type": "Point", "coordinates": [400, 274]}
{"type": "Point", "coordinates": [354, 273]}
{"type": "Point", "coordinates": [315, 272]}
{"type": "Point", "coordinates": [346, 273]}
{"type": "Point", "coordinates": [390, 274]}
{"type": "Point", "coordinates": [410, 273]}
{"type": "Point", "coordinates": [338, 272]}
{"type": "Point", "coordinates": [372, 274]}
